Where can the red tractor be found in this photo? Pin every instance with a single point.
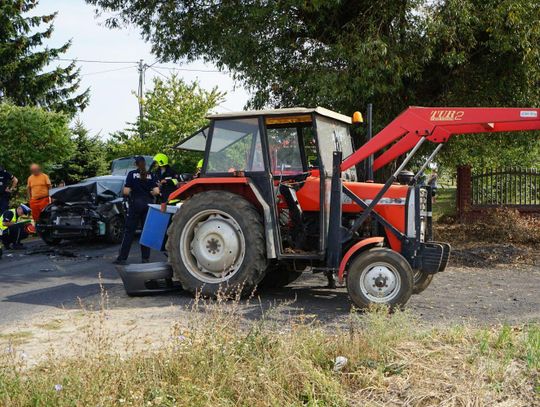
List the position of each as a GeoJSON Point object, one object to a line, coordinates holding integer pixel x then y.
{"type": "Point", "coordinates": [279, 194]}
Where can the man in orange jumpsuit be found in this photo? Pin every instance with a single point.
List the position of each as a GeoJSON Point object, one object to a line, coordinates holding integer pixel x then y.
{"type": "Point", "coordinates": [38, 187]}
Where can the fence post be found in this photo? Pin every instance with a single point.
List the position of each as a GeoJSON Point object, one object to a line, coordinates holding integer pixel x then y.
{"type": "Point", "coordinates": [464, 190]}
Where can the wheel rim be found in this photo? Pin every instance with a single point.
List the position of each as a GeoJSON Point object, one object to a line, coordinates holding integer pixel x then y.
{"type": "Point", "coordinates": [212, 246]}
{"type": "Point", "coordinates": [380, 282]}
{"type": "Point", "coordinates": [116, 229]}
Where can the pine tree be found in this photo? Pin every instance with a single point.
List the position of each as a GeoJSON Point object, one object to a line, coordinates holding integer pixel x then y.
{"type": "Point", "coordinates": [87, 160]}
{"type": "Point", "coordinates": [24, 57]}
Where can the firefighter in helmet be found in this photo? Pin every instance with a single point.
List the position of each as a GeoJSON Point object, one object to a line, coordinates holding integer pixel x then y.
{"type": "Point", "coordinates": [200, 164]}
{"type": "Point", "coordinates": [167, 177]}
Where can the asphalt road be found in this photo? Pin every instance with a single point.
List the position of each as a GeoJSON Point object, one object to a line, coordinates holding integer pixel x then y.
{"type": "Point", "coordinates": [30, 283]}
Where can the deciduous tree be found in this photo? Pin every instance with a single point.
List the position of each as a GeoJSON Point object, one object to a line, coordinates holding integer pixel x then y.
{"type": "Point", "coordinates": [31, 134]}
{"type": "Point", "coordinates": [343, 54]}
{"type": "Point", "coordinates": [173, 110]}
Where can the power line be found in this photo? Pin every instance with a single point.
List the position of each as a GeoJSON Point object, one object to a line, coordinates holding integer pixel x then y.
{"type": "Point", "coordinates": [94, 61]}
{"type": "Point", "coordinates": [225, 107]}
{"type": "Point", "coordinates": [159, 73]}
{"type": "Point", "coordinates": [109, 70]}
{"type": "Point", "coordinates": [170, 68]}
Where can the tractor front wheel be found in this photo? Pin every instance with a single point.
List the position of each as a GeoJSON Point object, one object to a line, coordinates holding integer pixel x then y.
{"type": "Point", "coordinates": [216, 244]}
{"type": "Point", "coordinates": [379, 276]}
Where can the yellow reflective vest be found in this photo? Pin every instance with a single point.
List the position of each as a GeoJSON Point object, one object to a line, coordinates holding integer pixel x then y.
{"type": "Point", "coordinates": [14, 219]}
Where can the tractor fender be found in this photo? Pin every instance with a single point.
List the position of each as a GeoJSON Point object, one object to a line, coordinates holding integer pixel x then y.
{"type": "Point", "coordinates": [357, 248]}
{"type": "Point", "coordinates": [241, 186]}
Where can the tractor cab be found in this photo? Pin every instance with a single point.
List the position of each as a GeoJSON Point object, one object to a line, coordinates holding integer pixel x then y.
{"type": "Point", "coordinates": [286, 155]}
{"type": "Point", "coordinates": [284, 142]}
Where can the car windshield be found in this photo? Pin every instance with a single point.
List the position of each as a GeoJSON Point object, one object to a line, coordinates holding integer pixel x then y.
{"type": "Point", "coordinates": [121, 166]}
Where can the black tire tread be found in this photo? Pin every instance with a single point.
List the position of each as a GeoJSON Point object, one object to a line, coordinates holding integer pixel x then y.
{"type": "Point", "coordinates": [422, 283]}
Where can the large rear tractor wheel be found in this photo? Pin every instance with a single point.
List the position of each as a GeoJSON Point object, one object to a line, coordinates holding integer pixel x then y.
{"type": "Point", "coordinates": [421, 281]}
{"type": "Point", "coordinates": [216, 245]}
{"type": "Point", "coordinates": [379, 276]}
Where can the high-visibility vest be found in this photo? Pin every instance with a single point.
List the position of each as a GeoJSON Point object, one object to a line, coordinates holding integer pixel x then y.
{"type": "Point", "coordinates": [14, 219]}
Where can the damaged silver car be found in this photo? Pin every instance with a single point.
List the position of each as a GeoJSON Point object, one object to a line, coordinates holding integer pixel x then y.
{"type": "Point", "coordinates": [93, 208]}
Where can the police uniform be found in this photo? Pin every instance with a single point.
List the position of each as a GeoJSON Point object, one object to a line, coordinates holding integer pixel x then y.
{"type": "Point", "coordinates": [6, 179]}
{"type": "Point", "coordinates": [168, 174]}
{"type": "Point", "coordinates": [139, 199]}
{"type": "Point", "coordinates": [15, 233]}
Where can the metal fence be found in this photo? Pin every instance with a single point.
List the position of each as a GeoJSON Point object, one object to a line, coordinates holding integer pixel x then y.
{"type": "Point", "coordinates": [519, 187]}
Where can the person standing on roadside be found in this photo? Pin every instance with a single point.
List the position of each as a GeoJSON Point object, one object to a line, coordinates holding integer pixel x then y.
{"type": "Point", "coordinates": [8, 183]}
{"type": "Point", "coordinates": [141, 187]}
{"type": "Point", "coordinates": [38, 187]}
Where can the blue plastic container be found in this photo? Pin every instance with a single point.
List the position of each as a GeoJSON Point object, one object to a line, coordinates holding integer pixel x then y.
{"type": "Point", "coordinates": [154, 233]}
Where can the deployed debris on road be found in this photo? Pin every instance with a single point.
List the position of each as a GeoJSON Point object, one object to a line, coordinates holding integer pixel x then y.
{"type": "Point", "coordinates": [148, 278]}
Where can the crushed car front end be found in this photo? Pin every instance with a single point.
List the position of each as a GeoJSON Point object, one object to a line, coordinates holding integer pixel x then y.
{"type": "Point", "coordinates": [92, 209]}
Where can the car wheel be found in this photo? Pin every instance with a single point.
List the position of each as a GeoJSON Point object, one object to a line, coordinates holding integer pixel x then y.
{"type": "Point", "coordinates": [115, 230]}
{"type": "Point", "coordinates": [49, 240]}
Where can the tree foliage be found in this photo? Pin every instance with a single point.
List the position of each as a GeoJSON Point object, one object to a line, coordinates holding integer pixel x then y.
{"type": "Point", "coordinates": [343, 54]}
{"type": "Point", "coordinates": [31, 134]}
{"type": "Point", "coordinates": [89, 158]}
{"type": "Point", "coordinates": [173, 110]}
{"type": "Point", "coordinates": [24, 58]}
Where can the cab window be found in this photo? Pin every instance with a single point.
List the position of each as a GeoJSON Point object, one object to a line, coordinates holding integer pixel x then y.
{"type": "Point", "coordinates": [235, 146]}
{"type": "Point", "coordinates": [285, 152]}
{"type": "Point", "coordinates": [334, 136]}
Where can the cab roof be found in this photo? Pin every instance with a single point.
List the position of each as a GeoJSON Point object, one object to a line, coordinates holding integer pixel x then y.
{"type": "Point", "coordinates": [287, 111]}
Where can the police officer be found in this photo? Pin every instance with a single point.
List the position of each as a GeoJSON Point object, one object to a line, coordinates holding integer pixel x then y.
{"type": "Point", "coordinates": [12, 230]}
{"type": "Point", "coordinates": [167, 177]}
{"type": "Point", "coordinates": [141, 187]}
{"type": "Point", "coordinates": [8, 183]}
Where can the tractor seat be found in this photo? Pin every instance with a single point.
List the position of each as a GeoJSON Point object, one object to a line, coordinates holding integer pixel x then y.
{"type": "Point", "coordinates": [289, 195]}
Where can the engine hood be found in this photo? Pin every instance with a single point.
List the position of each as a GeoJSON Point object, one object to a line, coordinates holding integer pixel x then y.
{"type": "Point", "coordinates": [85, 192]}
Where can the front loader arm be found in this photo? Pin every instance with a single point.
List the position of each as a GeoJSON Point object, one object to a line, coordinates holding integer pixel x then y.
{"type": "Point", "coordinates": [438, 124]}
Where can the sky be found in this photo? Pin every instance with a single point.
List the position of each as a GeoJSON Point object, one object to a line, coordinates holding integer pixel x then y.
{"type": "Point", "coordinates": [112, 103]}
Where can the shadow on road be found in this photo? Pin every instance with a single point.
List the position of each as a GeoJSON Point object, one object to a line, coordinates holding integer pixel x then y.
{"type": "Point", "coordinates": [61, 296]}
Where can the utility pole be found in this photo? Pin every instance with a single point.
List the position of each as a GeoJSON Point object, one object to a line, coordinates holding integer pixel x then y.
{"type": "Point", "coordinates": [141, 69]}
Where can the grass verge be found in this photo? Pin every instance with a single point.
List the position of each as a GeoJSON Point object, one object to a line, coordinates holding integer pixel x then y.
{"type": "Point", "coordinates": [218, 358]}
